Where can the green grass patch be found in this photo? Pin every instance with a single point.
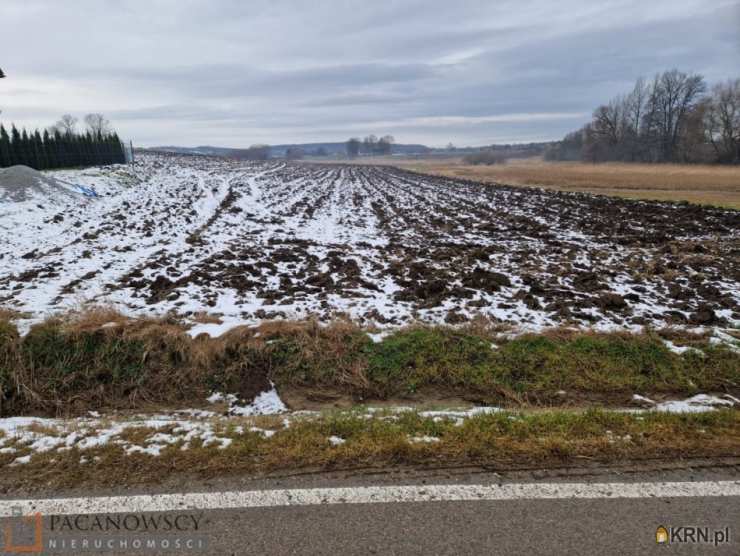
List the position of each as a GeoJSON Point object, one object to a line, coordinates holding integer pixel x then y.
{"type": "Point", "coordinates": [543, 364]}
{"type": "Point", "coordinates": [314, 355]}
{"type": "Point", "coordinates": [71, 361]}
{"type": "Point", "coordinates": [598, 363]}
{"type": "Point", "coordinates": [409, 360]}
{"type": "Point", "coordinates": [63, 368]}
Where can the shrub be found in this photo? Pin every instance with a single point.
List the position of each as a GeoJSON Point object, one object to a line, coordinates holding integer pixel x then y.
{"type": "Point", "coordinates": [487, 157]}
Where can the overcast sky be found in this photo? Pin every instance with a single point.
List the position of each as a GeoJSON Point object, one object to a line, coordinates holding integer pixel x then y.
{"type": "Point", "coordinates": [236, 72]}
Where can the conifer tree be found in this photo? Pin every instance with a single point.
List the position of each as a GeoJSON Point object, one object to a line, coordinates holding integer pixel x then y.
{"type": "Point", "coordinates": [49, 150]}
{"type": "Point", "coordinates": [5, 159]}
{"type": "Point", "coordinates": [26, 149]}
{"type": "Point", "coordinates": [55, 149]}
{"type": "Point", "coordinates": [15, 150]}
{"type": "Point", "coordinates": [59, 149]}
{"type": "Point", "coordinates": [40, 151]}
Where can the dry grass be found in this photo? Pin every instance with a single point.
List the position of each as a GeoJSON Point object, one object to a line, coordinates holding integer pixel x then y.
{"type": "Point", "coordinates": [711, 185]}
{"type": "Point", "coordinates": [202, 317]}
{"type": "Point", "coordinates": [93, 317]}
{"type": "Point", "coordinates": [7, 314]}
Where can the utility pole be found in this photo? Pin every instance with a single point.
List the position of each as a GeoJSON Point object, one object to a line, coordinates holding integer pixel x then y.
{"type": "Point", "coordinates": [131, 142]}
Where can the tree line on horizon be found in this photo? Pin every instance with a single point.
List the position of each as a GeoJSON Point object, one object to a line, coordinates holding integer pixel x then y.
{"type": "Point", "coordinates": [675, 117]}
{"type": "Point", "coordinates": [369, 145]}
{"type": "Point", "coordinates": [61, 146]}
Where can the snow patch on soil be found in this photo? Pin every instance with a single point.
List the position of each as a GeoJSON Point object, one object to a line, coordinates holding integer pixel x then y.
{"type": "Point", "coordinates": [260, 241]}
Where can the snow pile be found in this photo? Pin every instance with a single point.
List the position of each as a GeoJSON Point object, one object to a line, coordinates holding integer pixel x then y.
{"type": "Point", "coordinates": [336, 440]}
{"type": "Point", "coordinates": [700, 403]}
{"type": "Point", "coordinates": [696, 404]}
{"type": "Point", "coordinates": [20, 184]}
{"type": "Point", "coordinates": [266, 403]}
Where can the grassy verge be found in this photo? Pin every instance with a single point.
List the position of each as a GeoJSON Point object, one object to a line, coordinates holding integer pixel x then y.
{"type": "Point", "coordinates": [97, 361]}
{"type": "Point", "coordinates": [345, 440]}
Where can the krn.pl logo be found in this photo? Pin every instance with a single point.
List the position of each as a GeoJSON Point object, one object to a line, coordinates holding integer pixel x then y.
{"type": "Point", "coordinates": [661, 535]}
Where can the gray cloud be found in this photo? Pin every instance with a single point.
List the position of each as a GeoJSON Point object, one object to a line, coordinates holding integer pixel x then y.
{"type": "Point", "coordinates": [235, 73]}
{"type": "Point", "coordinates": [234, 80]}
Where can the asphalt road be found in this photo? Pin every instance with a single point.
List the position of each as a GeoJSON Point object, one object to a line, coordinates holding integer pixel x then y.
{"type": "Point", "coordinates": [561, 525]}
{"type": "Point", "coordinates": [509, 527]}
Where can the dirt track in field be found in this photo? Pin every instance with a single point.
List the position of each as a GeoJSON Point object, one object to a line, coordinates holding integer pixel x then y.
{"type": "Point", "coordinates": [379, 244]}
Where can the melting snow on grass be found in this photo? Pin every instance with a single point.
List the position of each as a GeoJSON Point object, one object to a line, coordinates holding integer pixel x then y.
{"type": "Point", "coordinates": [695, 404]}
{"type": "Point", "coordinates": [38, 435]}
{"type": "Point", "coordinates": [679, 349]}
{"type": "Point", "coordinates": [23, 437]}
{"type": "Point", "coordinates": [35, 435]}
{"type": "Point", "coordinates": [423, 439]}
{"type": "Point", "coordinates": [266, 403]}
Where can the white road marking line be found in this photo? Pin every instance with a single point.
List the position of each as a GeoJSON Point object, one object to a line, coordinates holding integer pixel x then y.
{"type": "Point", "coordinates": [365, 495]}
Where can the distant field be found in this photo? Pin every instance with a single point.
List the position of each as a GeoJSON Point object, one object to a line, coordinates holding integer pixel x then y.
{"type": "Point", "coordinates": [713, 185]}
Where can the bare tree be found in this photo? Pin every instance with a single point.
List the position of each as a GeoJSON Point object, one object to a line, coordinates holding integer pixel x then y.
{"type": "Point", "coordinates": [370, 144]}
{"type": "Point", "coordinates": [607, 122]}
{"type": "Point", "coordinates": [635, 104]}
{"type": "Point", "coordinates": [692, 143]}
{"type": "Point", "coordinates": [385, 144]}
{"type": "Point", "coordinates": [674, 94]}
{"type": "Point", "coordinates": [722, 121]}
{"type": "Point", "coordinates": [610, 133]}
{"type": "Point", "coordinates": [255, 152]}
{"type": "Point", "coordinates": [97, 124]}
{"type": "Point", "coordinates": [66, 125]}
{"type": "Point", "coordinates": [294, 153]}
{"type": "Point", "coordinates": [669, 119]}
{"type": "Point", "coordinates": [634, 114]}
{"type": "Point", "coordinates": [353, 147]}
